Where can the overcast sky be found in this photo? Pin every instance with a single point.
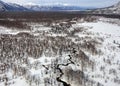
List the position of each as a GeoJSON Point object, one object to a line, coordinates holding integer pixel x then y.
{"type": "Point", "coordinates": [88, 3]}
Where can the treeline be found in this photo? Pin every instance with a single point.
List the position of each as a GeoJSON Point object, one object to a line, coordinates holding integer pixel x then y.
{"type": "Point", "coordinates": [40, 15]}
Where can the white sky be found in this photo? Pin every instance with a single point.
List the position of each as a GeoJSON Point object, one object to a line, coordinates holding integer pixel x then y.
{"type": "Point", "coordinates": [91, 3]}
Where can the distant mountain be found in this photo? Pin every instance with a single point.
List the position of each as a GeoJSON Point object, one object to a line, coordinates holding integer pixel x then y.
{"type": "Point", "coordinates": [58, 7]}
{"type": "Point", "coordinates": [114, 9]}
{"type": "Point", "coordinates": [34, 7]}
{"type": "Point", "coordinates": [11, 7]}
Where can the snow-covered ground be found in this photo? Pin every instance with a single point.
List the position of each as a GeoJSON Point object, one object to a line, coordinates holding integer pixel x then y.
{"type": "Point", "coordinates": [103, 54]}
{"type": "Point", "coordinates": [5, 30]}
{"type": "Point", "coordinates": [107, 66]}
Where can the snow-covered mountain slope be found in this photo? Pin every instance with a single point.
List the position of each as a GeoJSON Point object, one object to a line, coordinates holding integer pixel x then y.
{"type": "Point", "coordinates": [35, 7]}
{"type": "Point", "coordinates": [11, 7]}
{"type": "Point", "coordinates": [115, 9]}
{"type": "Point", "coordinates": [54, 7]}
{"type": "Point", "coordinates": [2, 8]}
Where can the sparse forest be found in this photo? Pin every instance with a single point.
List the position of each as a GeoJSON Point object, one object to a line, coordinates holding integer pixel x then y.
{"type": "Point", "coordinates": [54, 49]}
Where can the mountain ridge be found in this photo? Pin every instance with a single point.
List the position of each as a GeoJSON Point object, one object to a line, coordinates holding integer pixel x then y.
{"type": "Point", "coordinates": [114, 9]}
{"type": "Point", "coordinates": [11, 7]}
{"type": "Point", "coordinates": [35, 7]}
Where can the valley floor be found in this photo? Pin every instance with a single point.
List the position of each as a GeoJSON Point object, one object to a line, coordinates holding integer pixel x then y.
{"type": "Point", "coordinates": [77, 52]}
